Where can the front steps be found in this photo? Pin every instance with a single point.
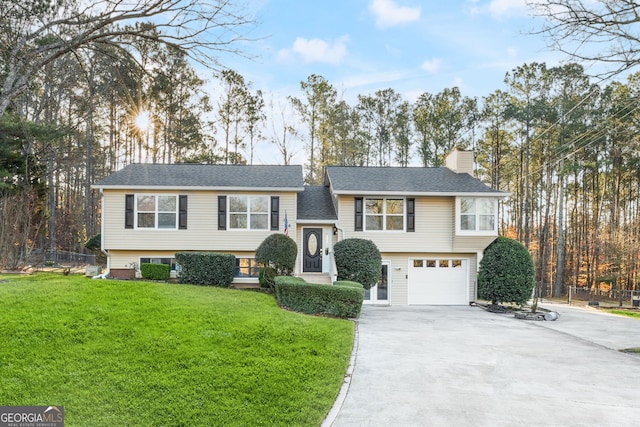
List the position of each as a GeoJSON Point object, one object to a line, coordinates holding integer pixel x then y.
{"type": "Point", "coordinates": [318, 278]}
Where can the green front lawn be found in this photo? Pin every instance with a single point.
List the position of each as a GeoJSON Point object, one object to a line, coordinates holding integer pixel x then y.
{"type": "Point", "coordinates": [126, 353]}
{"type": "Point", "coordinates": [627, 313]}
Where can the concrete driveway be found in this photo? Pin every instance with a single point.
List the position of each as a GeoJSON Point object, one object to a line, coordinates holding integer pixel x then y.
{"type": "Point", "coordinates": [463, 366]}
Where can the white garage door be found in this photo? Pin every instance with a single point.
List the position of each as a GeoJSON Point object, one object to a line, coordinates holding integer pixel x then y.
{"type": "Point", "coordinates": [438, 281]}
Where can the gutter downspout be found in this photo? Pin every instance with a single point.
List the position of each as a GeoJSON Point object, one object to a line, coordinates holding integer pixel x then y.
{"type": "Point", "coordinates": [106, 273]}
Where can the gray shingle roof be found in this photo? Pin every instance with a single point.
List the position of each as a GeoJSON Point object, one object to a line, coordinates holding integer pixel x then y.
{"type": "Point", "coordinates": [205, 176]}
{"type": "Point", "coordinates": [397, 180]}
{"type": "Point", "coordinates": [315, 203]}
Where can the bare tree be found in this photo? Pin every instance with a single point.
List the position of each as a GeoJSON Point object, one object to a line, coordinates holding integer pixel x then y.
{"type": "Point", "coordinates": [283, 131]}
{"type": "Point", "coordinates": [593, 31]}
{"type": "Point", "coordinates": [35, 34]}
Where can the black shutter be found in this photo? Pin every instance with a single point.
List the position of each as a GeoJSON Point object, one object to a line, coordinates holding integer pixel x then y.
{"type": "Point", "coordinates": [222, 212]}
{"type": "Point", "coordinates": [128, 210]}
{"type": "Point", "coordinates": [182, 212]}
{"type": "Point", "coordinates": [358, 213]}
{"type": "Point", "coordinates": [275, 213]}
{"type": "Point", "coordinates": [411, 214]}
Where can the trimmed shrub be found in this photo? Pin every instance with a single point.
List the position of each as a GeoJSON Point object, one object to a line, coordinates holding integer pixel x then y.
{"type": "Point", "coordinates": [506, 272]}
{"type": "Point", "coordinates": [279, 252]}
{"type": "Point", "coordinates": [310, 298]}
{"type": "Point", "coordinates": [155, 271]}
{"type": "Point", "coordinates": [358, 260]}
{"type": "Point", "coordinates": [349, 284]}
{"type": "Point", "coordinates": [206, 268]}
{"type": "Point", "coordinates": [266, 276]}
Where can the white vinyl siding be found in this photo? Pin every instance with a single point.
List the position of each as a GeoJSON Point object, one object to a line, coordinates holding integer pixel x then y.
{"type": "Point", "coordinates": [434, 226]}
{"type": "Point", "coordinates": [202, 234]}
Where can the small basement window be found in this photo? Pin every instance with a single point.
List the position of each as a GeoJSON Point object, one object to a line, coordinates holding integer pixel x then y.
{"type": "Point", "coordinates": [171, 262]}
{"type": "Point", "coordinates": [246, 267]}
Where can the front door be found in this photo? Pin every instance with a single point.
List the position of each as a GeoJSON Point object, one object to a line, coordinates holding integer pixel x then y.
{"type": "Point", "coordinates": [312, 250]}
{"type": "Point", "coordinates": [379, 294]}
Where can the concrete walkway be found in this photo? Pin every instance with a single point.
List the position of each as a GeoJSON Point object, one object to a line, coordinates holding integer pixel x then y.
{"type": "Point", "coordinates": [463, 366]}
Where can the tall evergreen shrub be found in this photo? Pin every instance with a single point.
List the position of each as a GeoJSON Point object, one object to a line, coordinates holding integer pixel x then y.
{"type": "Point", "coordinates": [279, 252]}
{"type": "Point", "coordinates": [506, 272]}
{"type": "Point", "coordinates": [358, 260]}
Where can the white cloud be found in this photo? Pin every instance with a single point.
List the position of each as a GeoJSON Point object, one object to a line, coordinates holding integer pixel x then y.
{"type": "Point", "coordinates": [512, 52]}
{"type": "Point", "coordinates": [316, 50]}
{"type": "Point", "coordinates": [432, 66]}
{"type": "Point", "coordinates": [388, 13]}
{"type": "Point", "coordinates": [501, 8]}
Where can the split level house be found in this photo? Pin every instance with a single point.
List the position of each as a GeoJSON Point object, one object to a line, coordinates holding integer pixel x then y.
{"type": "Point", "coordinates": [431, 225]}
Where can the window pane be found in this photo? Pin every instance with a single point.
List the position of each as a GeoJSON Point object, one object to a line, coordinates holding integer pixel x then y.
{"type": "Point", "coordinates": [237, 204]}
{"type": "Point", "coordinates": [456, 263]}
{"type": "Point", "coordinates": [259, 221]}
{"type": "Point", "coordinates": [246, 267]}
{"type": "Point", "coordinates": [146, 220]}
{"type": "Point", "coordinates": [395, 206]}
{"type": "Point", "coordinates": [146, 203]}
{"type": "Point", "coordinates": [241, 267]}
{"type": "Point", "coordinates": [467, 222]}
{"type": "Point", "coordinates": [237, 221]}
{"type": "Point", "coordinates": [418, 263]}
{"type": "Point", "coordinates": [259, 204]}
{"type": "Point", "coordinates": [486, 206]}
{"type": "Point", "coordinates": [395, 223]}
{"type": "Point", "coordinates": [431, 263]}
{"type": "Point", "coordinates": [487, 222]}
{"type": "Point", "coordinates": [467, 206]}
{"type": "Point", "coordinates": [166, 203]}
{"type": "Point", "coordinates": [374, 222]}
{"type": "Point", "coordinates": [383, 285]}
{"type": "Point", "coordinates": [444, 263]}
{"type": "Point", "coordinates": [166, 220]}
{"type": "Point", "coordinates": [374, 206]}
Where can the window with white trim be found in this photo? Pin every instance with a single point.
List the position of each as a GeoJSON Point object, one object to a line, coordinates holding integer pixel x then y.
{"type": "Point", "coordinates": [246, 267]}
{"type": "Point", "coordinates": [477, 215]}
{"type": "Point", "coordinates": [156, 211]}
{"type": "Point", "coordinates": [384, 214]}
{"type": "Point", "coordinates": [249, 212]}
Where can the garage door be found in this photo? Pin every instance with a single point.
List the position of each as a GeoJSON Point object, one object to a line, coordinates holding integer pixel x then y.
{"type": "Point", "coordinates": [438, 281]}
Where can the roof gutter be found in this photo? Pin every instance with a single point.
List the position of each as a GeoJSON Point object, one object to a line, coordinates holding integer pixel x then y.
{"type": "Point", "coordinates": [152, 187]}
{"type": "Point", "coordinates": [422, 194]}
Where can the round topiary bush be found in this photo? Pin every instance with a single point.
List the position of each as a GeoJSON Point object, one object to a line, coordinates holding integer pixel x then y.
{"type": "Point", "coordinates": [506, 272]}
{"type": "Point", "coordinates": [279, 252]}
{"type": "Point", "coordinates": [358, 260]}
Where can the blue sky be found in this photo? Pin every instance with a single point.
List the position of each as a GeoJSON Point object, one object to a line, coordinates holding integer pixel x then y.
{"type": "Point", "coordinates": [412, 46]}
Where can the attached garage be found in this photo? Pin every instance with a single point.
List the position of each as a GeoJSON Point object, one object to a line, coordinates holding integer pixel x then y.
{"type": "Point", "coordinates": [438, 281]}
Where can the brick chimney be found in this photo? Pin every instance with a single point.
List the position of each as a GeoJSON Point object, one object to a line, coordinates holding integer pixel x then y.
{"type": "Point", "coordinates": [460, 161]}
